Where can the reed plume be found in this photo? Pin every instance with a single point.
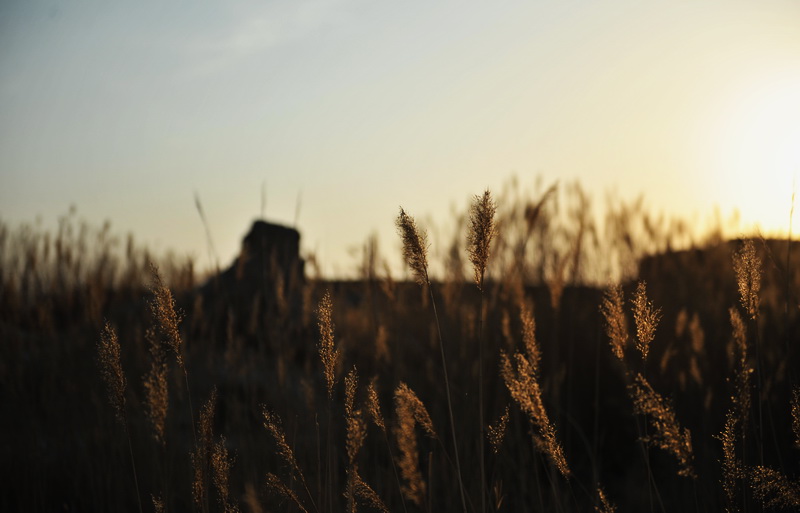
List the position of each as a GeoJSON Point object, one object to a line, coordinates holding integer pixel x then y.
{"type": "Point", "coordinates": [327, 353]}
{"type": "Point", "coordinates": [356, 434]}
{"type": "Point", "coordinates": [108, 352]}
{"type": "Point", "coordinates": [646, 317]}
{"type": "Point", "coordinates": [350, 386]}
{"type": "Point", "coordinates": [275, 484]}
{"type": "Point", "coordinates": [496, 432]}
{"type": "Point", "coordinates": [479, 238]}
{"type": "Point", "coordinates": [521, 376]}
{"type": "Point", "coordinates": [162, 308]}
{"type": "Point", "coordinates": [167, 334]}
{"type": "Point", "coordinates": [741, 397]}
{"type": "Point", "coordinates": [668, 436]}
{"type": "Point", "coordinates": [415, 251]}
{"type": "Point", "coordinates": [374, 406]}
{"type": "Point", "coordinates": [731, 465]}
{"type": "Point", "coordinates": [367, 494]}
{"type": "Point", "coordinates": [481, 231]}
{"type": "Point", "coordinates": [413, 487]}
{"type": "Point", "coordinates": [409, 402]}
{"type": "Point", "coordinates": [747, 265]}
{"type": "Point", "coordinates": [415, 247]}
{"type": "Point", "coordinates": [273, 425]}
{"type": "Point", "coordinates": [522, 383]}
{"type": "Point", "coordinates": [221, 463]}
{"type": "Point", "coordinates": [155, 388]}
{"type": "Point", "coordinates": [613, 312]}
{"type": "Point", "coordinates": [774, 489]}
{"type": "Point", "coordinates": [605, 506]}
{"type": "Point", "coordinates": [529, 342]}
{"type": "Point", "coordinates": [202, 454]}
{"type": "Point", "coordinates": [374, 409]}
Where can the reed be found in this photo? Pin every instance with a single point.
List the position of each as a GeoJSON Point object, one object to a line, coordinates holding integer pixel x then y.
{"type": "Point", "coordinates": [520, 373]}
{"type": "Point", "coordinates": [479, 239]}
{"type": "Point", "coordinates": [646, 316]}
{"type": "Point", "coordinates": [109, 359]}
{"type": "Point", "coordinates": [411, 412]}
{"type": "Point", "coordinates": [668, 434]}
{"type": "Point", "coordinates": [415, 254]}
{"type": "Point", "coordinates": [616, 325]}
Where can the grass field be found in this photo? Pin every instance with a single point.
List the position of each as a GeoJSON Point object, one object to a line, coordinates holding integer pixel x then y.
{"type": "Point", "coordinates": [538, 360]}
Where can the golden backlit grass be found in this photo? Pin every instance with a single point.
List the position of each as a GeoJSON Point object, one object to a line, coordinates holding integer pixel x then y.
{"type": "Point", "coordinates": [300, 429]}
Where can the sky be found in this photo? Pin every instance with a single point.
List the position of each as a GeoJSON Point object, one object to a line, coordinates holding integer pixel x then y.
{"type": "Point", "coordinates": [340, 111]}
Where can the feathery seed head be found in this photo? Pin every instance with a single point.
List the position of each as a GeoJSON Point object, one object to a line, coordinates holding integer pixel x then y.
{"type": "Point", "coordinates": [605, 505]}
{"type": "Point", "coordinates": [731, 466]}
{"type": "Point", "coordinates": [747, 265]}
{"type": "Point", "coordinates": [273, 424]}
{"type": "Point", "coordinates": [521, 380]}
{"type": "Point", "coordinates": [356, 433]}
{"type": "Point", "coordinates": [156, 388]}
{"type": "Point", "coordinates": [350, 386]}
{"type": "Point", "coordinates": [202, 453]}
{"type": "Point", "coordinates": [497, 432]}
{"type": "Point", "coordinates": [616, 324]}
{"type": "Point", "coordinates": [162, 308]}
{"type": "Point", "coordinates": [108, 352]}
{"type": "Point", "coordinates": [668, 435]}
{"type": "Point", "coordinates": [407, 399]}
{"type": "Point", "coordinates": [413, 487]}
{"type": "Point", "coordinates": [529, 338]}
{"type": "Point", "coordinates": [275, 484]}
{"type": "Point", "coordinates": [742, 396]}
{"type": "Point", "coordinates": [774, 489]}
{"type": "Point", "coordinates": [367, 494]}
{"type": "Point", "coordinates": [374, 406]}
{"type": "Point", "coordinates": [415, 246]}
{"type": "Point", "coordinates": [646, 317]}
{"type": "Point", "coordinates": [221, 463]}
{"type": "Point", "coordinates": [481, 231]}
{"type": "Point", "coordinates": [327, 353]}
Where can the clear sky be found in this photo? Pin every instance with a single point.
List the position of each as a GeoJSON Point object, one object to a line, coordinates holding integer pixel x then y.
{"type": "Point", "coordinates": [127, 109]}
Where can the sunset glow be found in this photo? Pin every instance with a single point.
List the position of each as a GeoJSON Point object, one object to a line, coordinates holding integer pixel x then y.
{"type": "Point", "coordinates": [343, 110]}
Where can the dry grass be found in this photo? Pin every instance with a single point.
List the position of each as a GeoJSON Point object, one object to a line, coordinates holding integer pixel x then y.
{"type": "Point", "coordinates": [108, 351]}
{"type": "Point", "coordinates": [520, 373]}
{"type": "Point", "coordinates": [334, 448]}
{"type": "Point", "coordinates": [613, 309]}
{"type": "Point", "coordinates": [668, 434]}
{"type": "Point", "coordinates": [327, 353]}
{"type": "Point", "coordinates": [480, 234]}
{"type": "Point", "coordinates": [646, 317]}
{"type": "Point", "coordinates": [748, 267]}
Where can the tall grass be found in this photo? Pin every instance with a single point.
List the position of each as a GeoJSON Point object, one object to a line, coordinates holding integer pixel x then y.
{"type": "Point", "coordinates": [519, 411]}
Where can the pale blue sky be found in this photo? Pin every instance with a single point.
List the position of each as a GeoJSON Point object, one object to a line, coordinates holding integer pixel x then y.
{"type": "Point", "coordinates": [126, 109]}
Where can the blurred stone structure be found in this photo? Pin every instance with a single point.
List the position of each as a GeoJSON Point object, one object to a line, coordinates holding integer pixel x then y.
{"type": "Point", "coordinates": [259, 299]}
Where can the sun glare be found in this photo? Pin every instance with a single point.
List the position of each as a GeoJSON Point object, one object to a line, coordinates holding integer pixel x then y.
{"type": "Point", "coordinates": [757, 158]}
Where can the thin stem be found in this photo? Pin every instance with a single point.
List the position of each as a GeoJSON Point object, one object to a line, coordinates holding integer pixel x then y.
{"type": "Point", "coordinates": [447, 389]}
{"type": "Point", "coordinates": [133, 465]}
{"type": "Point", "coordinates": [480, 400]}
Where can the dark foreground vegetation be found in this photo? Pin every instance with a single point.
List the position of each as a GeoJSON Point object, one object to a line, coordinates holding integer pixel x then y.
{"type": "Point", "coordinates": [619, 365]}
